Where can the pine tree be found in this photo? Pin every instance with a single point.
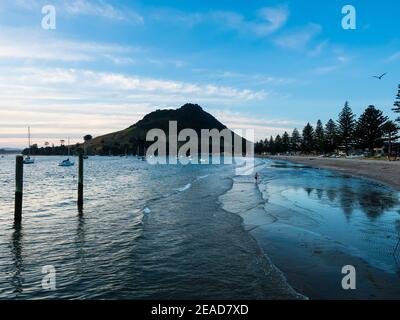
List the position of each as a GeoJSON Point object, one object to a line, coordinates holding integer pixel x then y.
{"type": "Point", "coordinates": [308, 138]}
{"type": "Point", "coordinates": [265, 145]}
{"type": "Point", "coordinates": [258, 147]}
{"type": "Point", "coordinates": [320, 137]}
{"type": "Point", "coordinates": [285, 142]}
{"type": "Point", "coordinates": [331, 135]}
{"type": "Point", "coordinates": [346, 127]}
{"type": "Point", "coordinates": [295, 140]}
{"type": "Point", "coordinates": [278, 144]}
{"type": "Point", "coordinates": [271, 145]}
{"type": "Point", "coordinates": [369, 131]}
{"type": "Point", "coordinates": [396, 108]}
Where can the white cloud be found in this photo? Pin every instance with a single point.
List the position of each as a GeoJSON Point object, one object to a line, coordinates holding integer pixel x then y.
{"type": "Point", "coordinates": [60, 121]}
{"type": "Point", "coordinates": [393, 57]}
{"type": "Point", "coordinates": [29, 45]}
{"type": "Point", "coordinates": [268, 19]}
{"type": "Point", "coordinates": [100, 8]}
{"type": "Point", "coordinates": [103, 82]}
{"type": "Point", "coordinates": [319, 48]}
{"type": "Point", "coordinates": [263, 127]}
{"type": "Point", "coordinates": [69, 102]}
{"type": "Point", "coordinates": [340, 61]}
{"type": "Point", "coordinates": [96, 8]}
{"type": "Point", "coordinates": [25, 4]}
{"type": "Point", "coordinates": [300, 39]}
{"type": "Point", "coordinates": [276, 18]}
{"type": "Point", "coordinates": [226, 76]}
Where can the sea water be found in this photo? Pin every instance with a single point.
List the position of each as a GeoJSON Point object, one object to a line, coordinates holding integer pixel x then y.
{"type": "Point", "coordinates": [183, 232]}
{"type": "Point", "coordinates": [147, 231]}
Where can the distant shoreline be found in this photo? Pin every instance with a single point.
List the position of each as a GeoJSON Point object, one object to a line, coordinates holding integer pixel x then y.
{"type": "Point", "coordinates": [8, 152]}
{"type": "Point", "coordinates": [384, 172]}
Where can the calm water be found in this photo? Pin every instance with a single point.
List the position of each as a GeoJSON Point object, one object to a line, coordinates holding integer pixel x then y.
{"type": "Point", "coordinates": [361, 215]}
{"type": "Point", "coordinates": [179, 231]}
{"type": "Point", "coordinates": [146, 232]}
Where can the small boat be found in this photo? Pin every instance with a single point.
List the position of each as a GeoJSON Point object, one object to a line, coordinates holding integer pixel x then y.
{"type": "Point", "coordinates": [28, 159]}
{"type": "Point", "coordinates": [67, 162]}
{"type": "Point", "coordinates": [85, 157]}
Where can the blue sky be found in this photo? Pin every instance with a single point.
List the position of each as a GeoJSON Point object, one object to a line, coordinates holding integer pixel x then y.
{"type": "Point", "coordinates": [267, 65]}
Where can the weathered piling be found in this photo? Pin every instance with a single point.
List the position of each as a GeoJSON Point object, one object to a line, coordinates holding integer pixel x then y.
{"type": "Point", "coordinates": [80, 184]}
{"type": "Point", "coordinates": [19, 183]}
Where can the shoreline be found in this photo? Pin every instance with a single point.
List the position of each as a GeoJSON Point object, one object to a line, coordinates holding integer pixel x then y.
{"type": "Point", "coordinates": [284, 243]}
{"type": "Point", "coordinates": [269, 267]}
{"type": "Point", "coordinates": [382, 171]}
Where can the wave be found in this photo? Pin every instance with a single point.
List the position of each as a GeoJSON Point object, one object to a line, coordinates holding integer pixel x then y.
{"type": "Point", "coordinates": [146, 210]}
{"type": "Point", "coordinates": [167, 195]}
{"type": "Point", "coordinates": [188, 186]}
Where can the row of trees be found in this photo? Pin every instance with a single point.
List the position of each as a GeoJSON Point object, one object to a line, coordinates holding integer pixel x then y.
{"type": "Point", "coordinates": [60, 150]}
{"type": "Point", "coordinates": [371, 130]}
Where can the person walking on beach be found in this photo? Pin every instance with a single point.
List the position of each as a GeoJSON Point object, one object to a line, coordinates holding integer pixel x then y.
{"type": "Point", "coordinates": [256, 178]}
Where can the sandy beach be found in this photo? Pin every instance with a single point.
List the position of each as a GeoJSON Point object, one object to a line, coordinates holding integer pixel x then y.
{"type": "Point", "coordinates": [385, 172]}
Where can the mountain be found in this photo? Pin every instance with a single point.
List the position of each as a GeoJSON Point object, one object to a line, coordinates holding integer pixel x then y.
{"type": "Point", "coordinates": [133, 139]}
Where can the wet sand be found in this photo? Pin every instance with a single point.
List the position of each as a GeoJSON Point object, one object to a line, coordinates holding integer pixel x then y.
{"type": "Point", "coordinates": [385, 172]}
{"type": "Point", "coordinates": [313, 265]}
{"type": "Point", "coordinates": [311, 261]}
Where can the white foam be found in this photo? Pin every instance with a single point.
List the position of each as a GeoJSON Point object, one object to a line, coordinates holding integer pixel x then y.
{"type": "Point", "coordinates": [185, 187]}
{"type": "Point", "coordinates": [146, 210]}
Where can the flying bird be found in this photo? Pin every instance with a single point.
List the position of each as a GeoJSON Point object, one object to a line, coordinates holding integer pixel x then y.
{"type": "Point", "coordinates": [381, 76]}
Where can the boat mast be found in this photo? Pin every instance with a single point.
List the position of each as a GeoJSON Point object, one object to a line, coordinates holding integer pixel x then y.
{"type": "Point", "coordinates": [29, 140]}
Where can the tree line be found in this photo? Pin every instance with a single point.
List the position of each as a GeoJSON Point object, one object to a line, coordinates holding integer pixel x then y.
{"type": "Point", "coordinates": [60, 150]}
{"type": "Point", "coordinates": [371, 130]}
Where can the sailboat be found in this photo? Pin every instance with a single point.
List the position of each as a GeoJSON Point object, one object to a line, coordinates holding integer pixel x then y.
{"type": "Point", "coordinates": [67, 162]}
{"type": "Point", "coordinates": [28, 159]}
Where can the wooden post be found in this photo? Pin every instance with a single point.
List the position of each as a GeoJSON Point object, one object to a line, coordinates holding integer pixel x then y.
{"type": "Point", "coordinates": [80, 184]}
{"type": "Point", "coordinates": [19, 183]}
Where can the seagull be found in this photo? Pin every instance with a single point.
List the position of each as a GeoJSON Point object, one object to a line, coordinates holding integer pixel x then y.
{"type": "Point", "coordinates": [380, 77]}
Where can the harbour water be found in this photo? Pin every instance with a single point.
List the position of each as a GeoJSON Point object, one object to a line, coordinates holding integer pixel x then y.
{"type": "Point", "coordinates": [185, 232]}
{"type": "Point", "coordinates": [146, 232]}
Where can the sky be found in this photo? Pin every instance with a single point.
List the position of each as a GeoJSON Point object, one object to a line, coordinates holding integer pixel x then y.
{"type": "Point", "coordinates": [266, 65]}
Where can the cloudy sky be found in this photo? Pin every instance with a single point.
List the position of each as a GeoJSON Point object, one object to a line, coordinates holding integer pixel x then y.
{"type": "Point", "coordinates": [268, 65]}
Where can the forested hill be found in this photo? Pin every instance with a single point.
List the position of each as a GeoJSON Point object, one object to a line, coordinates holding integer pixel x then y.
{"type": "Point", "coordinates": [132, 140]}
